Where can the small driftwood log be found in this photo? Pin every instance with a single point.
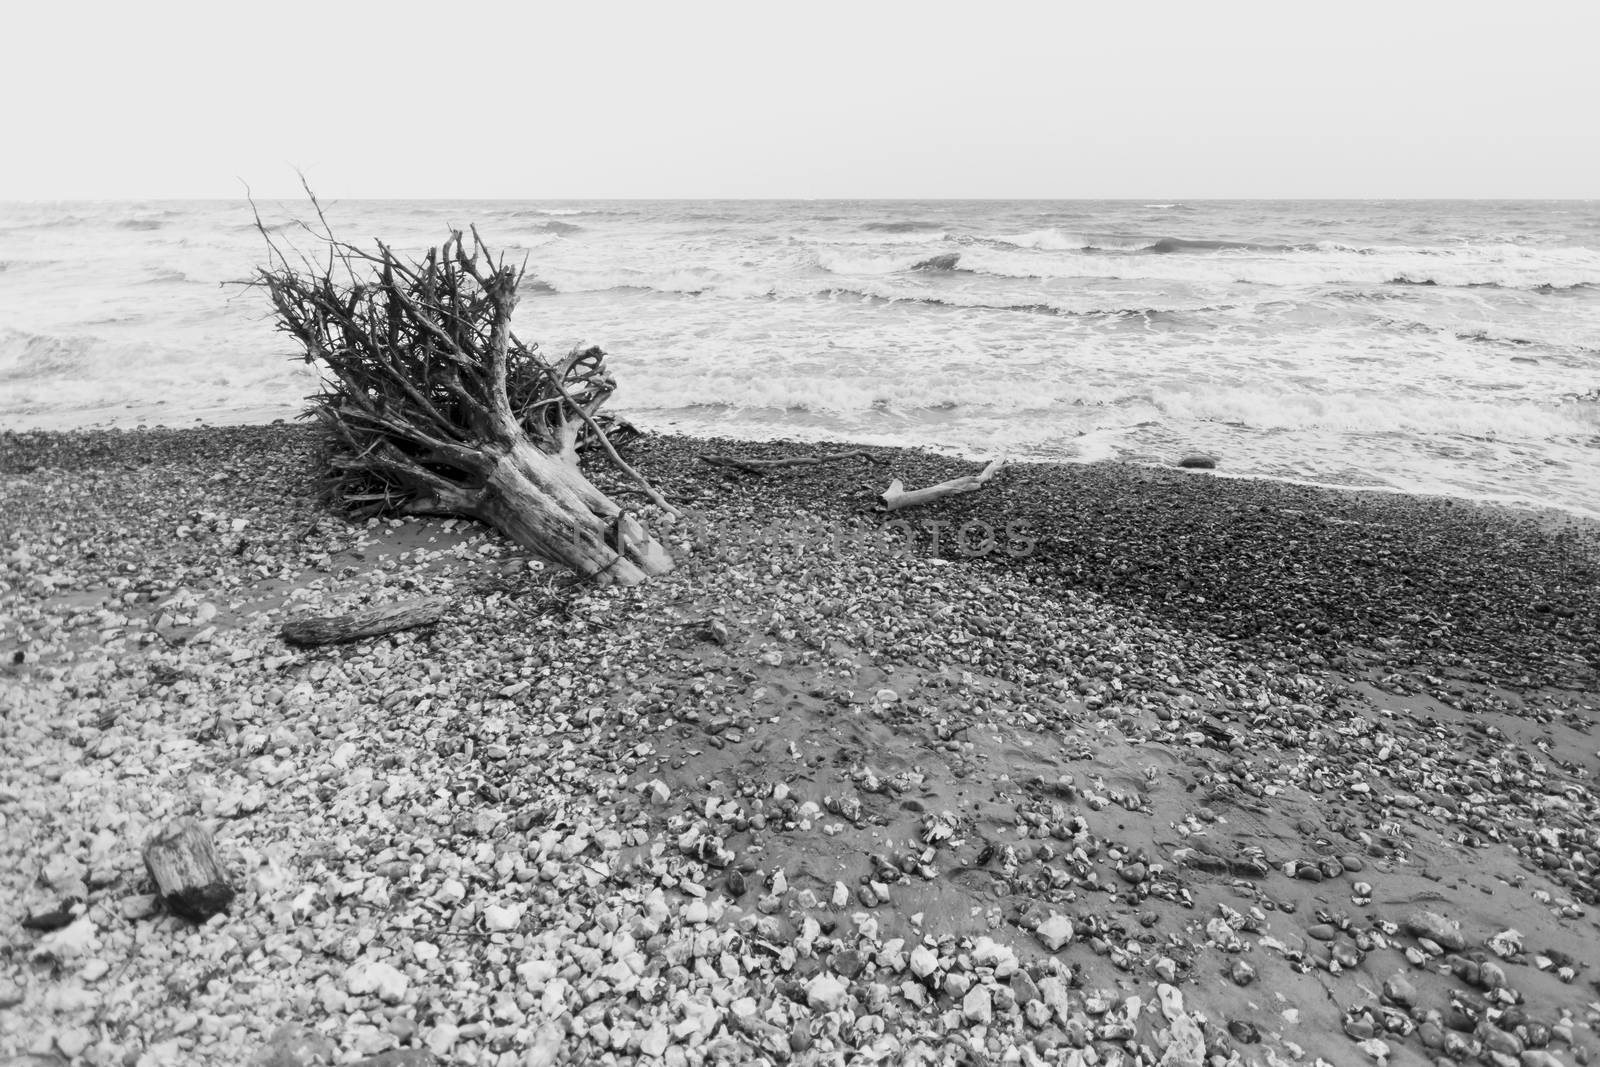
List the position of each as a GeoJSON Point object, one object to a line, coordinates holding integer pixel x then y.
{"type": "Point", "coordinates": [371, 622]}
{"type": "Point", "coordinates": [762, 466]}
{"type": "Point", "coordinates": [183, 863]}
{"type": "Point", "coordinates": [897, 497]}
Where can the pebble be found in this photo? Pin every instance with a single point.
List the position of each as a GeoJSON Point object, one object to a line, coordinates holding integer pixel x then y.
{"type": "Point", "coordinates": [977, 1006]}
{"type": "Point", "coordinates": [401, 1057]}
{"type": "Point", "coordinates": [1242, 972]}
{"type": "Point", "coordinates": [1054, 932]}
{"type": "Point", "coordinates": [587, 930]}
{"type": "Point", "coordinates": [826, 993]}
{"type": "Point", "coordinates": [1399, 990]}
{"type": "Point", "coordinates": [1436, 928]}
{"type": "Point", "coordinates": [295, 1046]}
{"type": "Point", "coordinates": [377, 977]}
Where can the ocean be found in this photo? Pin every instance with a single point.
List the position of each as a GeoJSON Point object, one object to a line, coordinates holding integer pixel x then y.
{"type": "Point", "coordinates": [1448, 347]}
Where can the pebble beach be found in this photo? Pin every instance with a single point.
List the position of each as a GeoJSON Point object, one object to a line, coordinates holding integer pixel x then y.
{"type": "Point", "coordinates": [1102, 764]}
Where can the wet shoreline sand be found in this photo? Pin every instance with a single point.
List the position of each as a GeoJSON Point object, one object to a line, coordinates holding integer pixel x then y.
{"type": "Point", "coordinates": [1212, 760]}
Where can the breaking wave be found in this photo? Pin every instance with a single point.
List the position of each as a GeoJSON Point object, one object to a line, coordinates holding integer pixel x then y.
{"type": "Point", "coordinates": [25, 356]}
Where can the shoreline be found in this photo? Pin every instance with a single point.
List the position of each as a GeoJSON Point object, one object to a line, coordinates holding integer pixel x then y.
{"type": "Point", "coordinates": [1554, 513]}
{"type": "Point", "coordinates": [1216, 760]}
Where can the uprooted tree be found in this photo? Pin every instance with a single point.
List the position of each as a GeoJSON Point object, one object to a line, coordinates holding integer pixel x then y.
{"type": "Point", "coordinates": [433, 406]}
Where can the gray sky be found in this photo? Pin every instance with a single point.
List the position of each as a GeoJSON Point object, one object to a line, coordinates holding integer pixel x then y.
{"type": "Point", "coordinates": [1205, 98]}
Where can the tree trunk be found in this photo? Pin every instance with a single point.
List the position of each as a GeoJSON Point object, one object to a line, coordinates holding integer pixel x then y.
{"type": "Point", "coordinates": [546, 505]}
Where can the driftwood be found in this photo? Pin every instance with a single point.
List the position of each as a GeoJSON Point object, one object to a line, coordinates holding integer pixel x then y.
{"type": "Point", "coordinates": [897, 497]}
{"type": "Point", "coordinates": [183, 863]}
{"type": "Point", "coordinates": [762, 466]}
{"type": "Point", "coordinates": [371, 622]}
{"type": "Point", "coordinates": [432, 406]}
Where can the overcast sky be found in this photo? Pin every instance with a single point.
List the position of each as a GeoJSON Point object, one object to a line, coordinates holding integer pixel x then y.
{"type": "Point", "coordinates": [599, 98]}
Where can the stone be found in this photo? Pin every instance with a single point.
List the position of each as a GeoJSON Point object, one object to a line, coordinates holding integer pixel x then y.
{"type": "Point", "coordinates": [1436, 928]}
{"type": "Point", "coordinates": [1242, 972]}
{"type": "Point", "coordinates": [73, 1041]}
{"type": "Point", "coordinates": [1188, 1045]}
{"type": "Point", "coordinates": [978, 1006]}
{"type": "Point", "coordinates": [923, 961]}
{"type": "Point", "coordinates": [400, 1057]}
{"type": "Point", "coordinates": [139, 906]}
{"type": "Point", "coordinates": [1399, 990]}
{"type": "Point", "coordinates": [499, 920]}
{"type": "Point", "coordinates": [1054, 932]}
{"type": "Point", "coordinates": [377, 977]}
{"type": "Point", "coordinates": [825, 993]}
{"type": "Point", "coordinates": [295, 1046]}
{"type": "Point", "coordinates": [654, 1042]}
{"type": "Point", "coordinates": [848, 963]}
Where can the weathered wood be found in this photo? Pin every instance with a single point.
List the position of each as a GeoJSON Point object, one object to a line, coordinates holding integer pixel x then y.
{"type": "Point", "coordinates": [188, 875]}
{"type": "Point", "coordinates": [370, 622]}
{"type": "Point", "coordinates": [897, 497]}
{"type": "Point", "coordinates": [762, 466]}
{"type": "Point", "coordinates": [433, 406]}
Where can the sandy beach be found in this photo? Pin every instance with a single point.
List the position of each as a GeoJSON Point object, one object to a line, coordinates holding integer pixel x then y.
{"type": "Point", "coordinates": [1179, 770]}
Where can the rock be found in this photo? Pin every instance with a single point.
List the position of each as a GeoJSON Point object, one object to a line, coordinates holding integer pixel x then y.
{"type": "Point", "coordinates": [654, 1042]}
{"type": "Point", "coordinates": [888, 696]}
{"type": "Point", "coordinates": [499, 920]}
{"type": "Point", "coordinates": [400, 1057]}
{"type": "Point", "coordinates": [1054, 932]}
{"type": "Point", "coordinates": [375, 976]}
{"type": "Point", "coordinates": [1376, 1048]}
{"type": "Point", "coordinates": [923, 961]}
{"type": "Point", "coordinates": [1399, 990]}
{"type": "Point", "coordinates": [76, 939]}
{"type": "Point", "coordinates": [1323, 932]}
{"type": "Point", "coordinates": [1506, 943]}
{"type": "Point", "coordinates": [978, 1006]}
{"type": "Point", "coordinates": [1198, 461]}
{"type": "Point", "coordinates": [987, 952]}
{"type": "Point", "coordinates": [73, 1041]}
{"type": "Point", "coordinates": [295, 1046]}
{"type": "Point", "coordinates": [140, 906]}
{"type": "Point", "coordinates": [11, 994]}
{"type": "Point", "coordinates": [825, 993]}
{"type": "Point", "coordinates": [1243, 1031]}
{"type": "Point", "coordinates": [848, 963]}
{"type": "Point", "coordinates": [1436, 928]}
{"type": "Point", "coordinates": [1188, 1045]}
{"type": "Point", "coordinates": [1242, 972]}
